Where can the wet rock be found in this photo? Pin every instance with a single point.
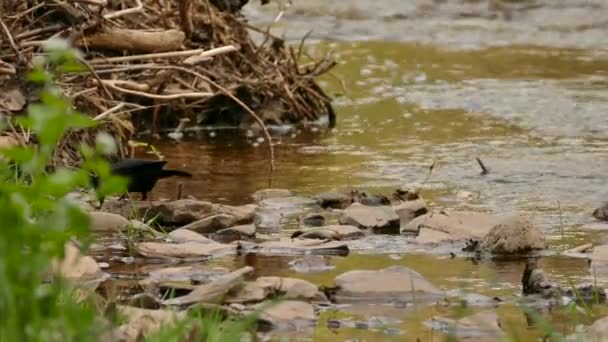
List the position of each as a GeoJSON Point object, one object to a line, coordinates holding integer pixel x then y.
{"type": "Point", "coordinates": [144, 301]}
{"type": "Point", "coordinates": [395, 283]}
{"type": "Point", "coordinates": [534, 281]}
{"type": "Point", "coordinates": [313, 220]}
{"type": "Point", "coordinates": [286, 246]}
{"type": "Point", "coordinates": [596, 332]}
{"type": "Point", "coordinates": [514, 234]}
{"type": "Point", "coordinates": [292, 202]}
{"type": "Point", "coordinates": [180, 212]}
{"type": "Point", "coordinates": [587, 293]}
{"type": "Point", "coordinates": [334, 232]}
{"type": "Point", "coordinates": [186, 235]}
{"type": "Point", "coordinates": [212, 223]}
{"type": "Point", "coordinates": [287, 288]}
{"type": "Point", "coordinates": [246, 231]}
{"type": "Point", "coordinates": [599, 261]}
{"type": "Point", "coordinates": [406, 194]}
{"type": "Point", "coordinates": [144, 322]}
{"type": "Point", "coordinates": [475, 299]}
{"type": "Point", "coordinates": [78, 269]}
{"type": "Point", "coordinates": [601, 213]}
{"type": "Point", "coordinates": [409, 210]}
{"type": "Point", "coordinates": [268, 219]}
{"type": "Point", "coordinates": [333, 200]}
{"type": "Point", "coordinates": [103, 222]}
{"type": "Point", "coordinates": [482, 326]}
{"type": "Point", "coordinates": [311, 263]}
{"type": "Point", "coordinates": [457, 225]}
{"type": "Point", "coordinates": [197, 274]}
{"type": "Point", "coordinates": [187, 250]}
{"type": "Point", "coordinates": [369, 200]}
{"type": "Point", "coordinates": [382, 219]}
{"type": "Point", "coordinates": [213, 292]}
{"type": "Point", "coordinates": [286, 315]}
{"type": "Point", "coordinates": [270, 193]}
{"type": "Point", "coordinates": [185, 211]}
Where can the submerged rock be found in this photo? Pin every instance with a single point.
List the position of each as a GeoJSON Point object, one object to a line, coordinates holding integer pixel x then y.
{"type": "Point", "coordinates": [104, 222]}
{"type": "Point", "coordinates": [287, 288]}
{"type": "Point", "coordinates": [286, 315]}
{"type": "Point", "coordinates": [270, 193]}
{"type": "Point", "coordinates": [313, 220]}
{"type": "Point", "coordinates": [196, 274]}
{"type": "Point", "coordinates": [409, 210]}
{"type": "Point", "coordinates": [392, 284]}
{"type": "Point", "coordinates": [514, 234]}
{"type": "Point", "coordinates": [334, 200]}
{"type": "Point", "coordinates": [601, 213]}
{"type": "Point", "coordinates": [334, 232]}
{"type": "Point", "coordinates": [482, 326]}
{"type": "Point", "coordinates": [382, 219]}
{"type": "Point", "coordinates": [213, 292]}
{"type": "Point", "coordinates": [187, 250]}
{"type": "Point", "coordinates": [286, 246]}
{"type": "Point", "coordinates": [311, 263]}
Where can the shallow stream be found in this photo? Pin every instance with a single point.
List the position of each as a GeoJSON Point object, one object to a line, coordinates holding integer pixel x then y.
{"type": "Point", "coordinates": [523, 86]}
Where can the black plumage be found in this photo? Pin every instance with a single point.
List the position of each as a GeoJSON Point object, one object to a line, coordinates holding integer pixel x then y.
{"type": "Point", "coordinates": [142, 174]}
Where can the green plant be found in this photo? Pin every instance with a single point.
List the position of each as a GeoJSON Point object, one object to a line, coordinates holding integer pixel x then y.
{"type": "Point", "coordinates": [38, 218]}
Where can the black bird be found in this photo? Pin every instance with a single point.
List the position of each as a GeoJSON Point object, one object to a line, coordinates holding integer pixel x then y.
{"type": "Point", "coordinates": [141, 174]}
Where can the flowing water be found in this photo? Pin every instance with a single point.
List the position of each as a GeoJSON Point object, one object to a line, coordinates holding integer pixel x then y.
{"type": "Point", "coordinates": [523, 85]}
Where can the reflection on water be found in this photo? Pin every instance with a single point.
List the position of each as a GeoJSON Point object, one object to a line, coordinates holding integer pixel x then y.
{"type": "Point", "coordinates": [536, 116]}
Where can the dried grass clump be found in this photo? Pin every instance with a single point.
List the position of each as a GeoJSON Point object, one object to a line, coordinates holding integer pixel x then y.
{"type": "Point", "coordinates": [152, 62]}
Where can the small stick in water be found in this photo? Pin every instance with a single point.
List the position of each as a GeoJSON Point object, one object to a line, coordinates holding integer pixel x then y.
{"type": "Point", "coordinates": [484, 169]}
{"type": "Point", "coordinates": [179, 191]}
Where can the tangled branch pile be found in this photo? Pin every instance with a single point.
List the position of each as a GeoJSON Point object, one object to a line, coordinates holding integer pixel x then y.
{"type": "Point", "coordinates": [152, 62]}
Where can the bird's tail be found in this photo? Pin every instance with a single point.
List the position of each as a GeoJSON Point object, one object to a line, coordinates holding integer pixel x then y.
{"type": "Point", "coordinates": [178, 173]}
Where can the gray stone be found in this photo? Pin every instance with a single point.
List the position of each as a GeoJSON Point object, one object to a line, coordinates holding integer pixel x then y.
{"type": "Point", "coordinates": [289, 288]}
{"type": "Point", "coordinates": [212, 224]}
{"type": "Point", "coordinates": [596, 332]}
{"type": "Point", "coordinates": [482, 326]}
{"type": "Point", "coordinates": [333, 200]}
{"type": "Point", "coordinates": [409, 210]}
{"type": "Point", "coordinates": [333, 232]}
{"type": "Point", "coordinates": [186, 235]}
{"type": "Point", "coordinates": [185, 211]}
{"type": "Point", "coordinates": [313, 220]}
{"type": "Point", "coordinates": [395, 283]}
{"type": "Point", "coordinates": [601, 213]}
{"type": "Point", "coordinates": [514, 234]}
{"type": "Point", "coordinates": [287, 314]}
{"type": "Point", "coordinates": [103, 222]}
{"type": "Point", "coordinates": [242, 231]}
{"type": "Point", "coordinates": [187, 250]}
{"type": "Point", "coordinates": [381, 219]}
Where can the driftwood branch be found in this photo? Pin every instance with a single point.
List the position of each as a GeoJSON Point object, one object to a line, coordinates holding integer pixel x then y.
{"type": "Point", "coordinates": [119, 39]}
